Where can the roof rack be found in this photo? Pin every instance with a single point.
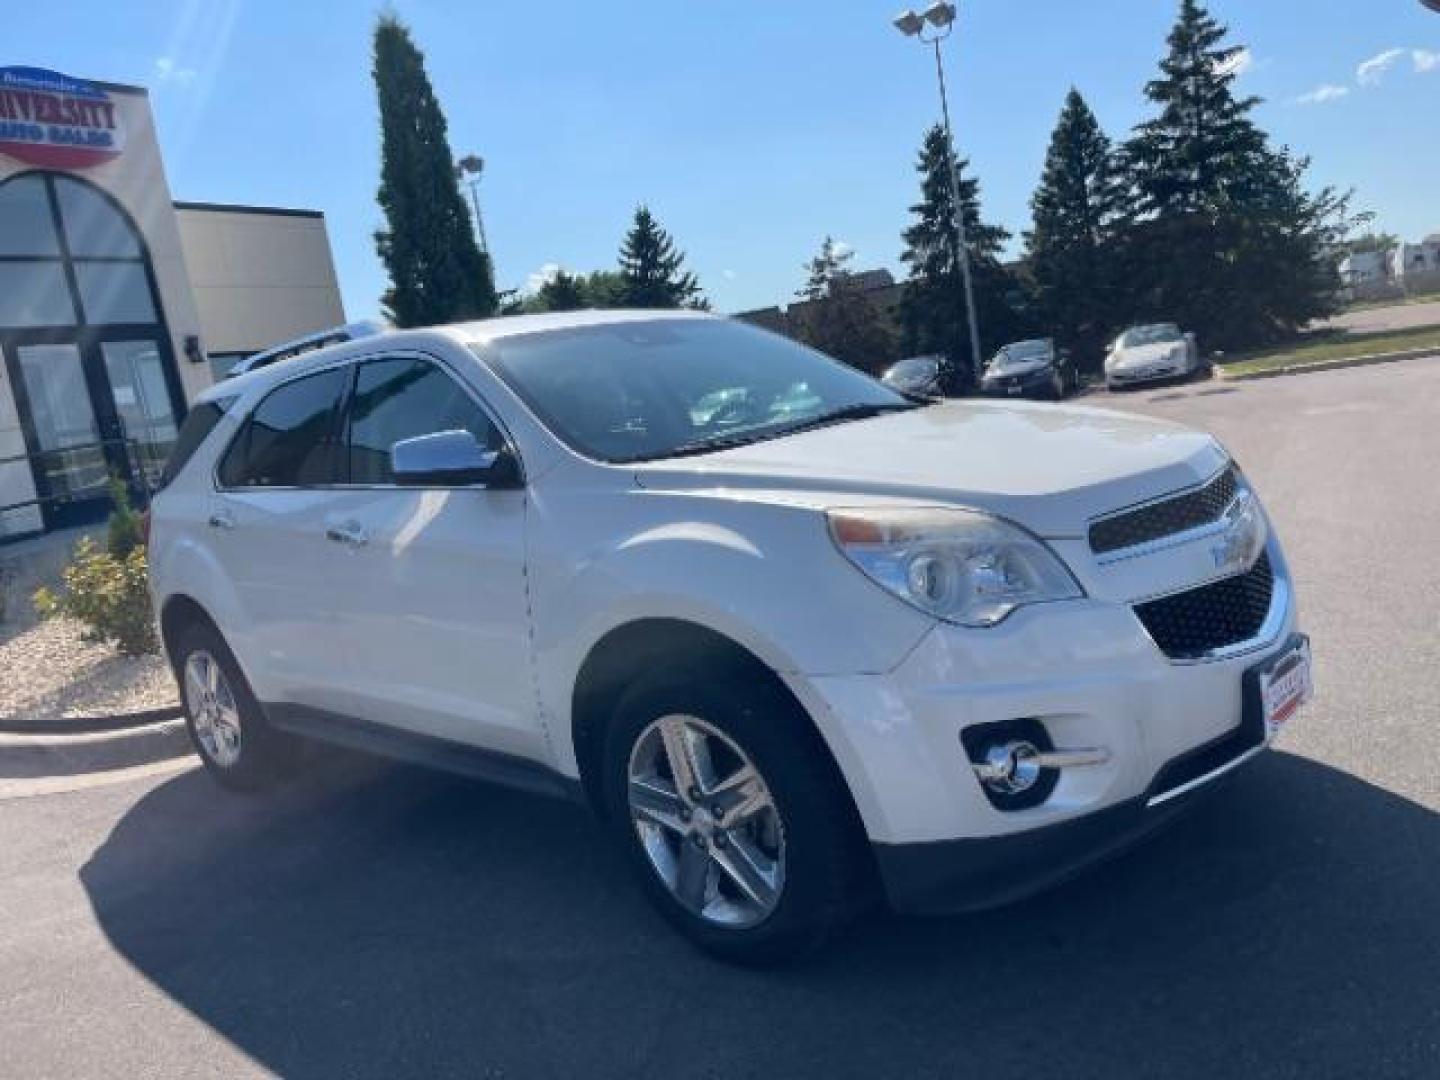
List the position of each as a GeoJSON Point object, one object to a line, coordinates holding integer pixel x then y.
{"type": "Point", "coordinates": [309, 343]}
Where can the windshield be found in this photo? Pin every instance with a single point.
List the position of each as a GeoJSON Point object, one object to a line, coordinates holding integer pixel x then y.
{"type": "Point", "coordinates": [1022, 352]}
{"type": "Point", "coordinates": [632, 391]}
{"type": "Point", "coordinates": [913, 369]}
{"type": "Point", "coordinates": [1150, 335]}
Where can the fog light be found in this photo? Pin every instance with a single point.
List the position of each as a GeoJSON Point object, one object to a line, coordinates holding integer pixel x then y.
{"type": "Point", "coordinates": [1018, 765]}
{"type": "Point", "coordinates": [1009, 768]}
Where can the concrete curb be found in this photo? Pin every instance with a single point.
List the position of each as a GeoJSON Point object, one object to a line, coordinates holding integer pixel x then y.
{"type": "Point", "coordinates": [46, 756]}
{"type": "Point", "coordinates": [89, 725]}
{"type": "Point", "coordinates": [1329, 365]}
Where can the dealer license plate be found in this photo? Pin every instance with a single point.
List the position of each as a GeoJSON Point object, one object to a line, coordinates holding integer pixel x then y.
{"type": "Point", "coordinates": [1284, 686]}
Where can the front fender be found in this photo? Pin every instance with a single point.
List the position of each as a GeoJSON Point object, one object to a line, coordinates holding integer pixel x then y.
{"type": "Point", "coordinates": [765, 576]}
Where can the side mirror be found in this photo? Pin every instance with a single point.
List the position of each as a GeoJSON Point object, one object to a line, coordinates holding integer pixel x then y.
{"type": "Point", "coordinates": [451, 459]}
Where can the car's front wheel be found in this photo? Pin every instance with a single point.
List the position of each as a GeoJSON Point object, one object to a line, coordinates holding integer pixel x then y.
{"type": "Point", "coordinates": [227, 726]}
{"type": "Point", "coordinates": [734, 817]}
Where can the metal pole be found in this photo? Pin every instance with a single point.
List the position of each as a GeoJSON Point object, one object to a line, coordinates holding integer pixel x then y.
{"type": "Point", "coordinates": [479, 221]}
{"type": "Point", "coordinates": [958, 213]}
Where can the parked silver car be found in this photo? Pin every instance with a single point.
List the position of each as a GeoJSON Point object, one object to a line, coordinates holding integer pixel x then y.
{"type": "Point", "coordinates": [1149, 353]}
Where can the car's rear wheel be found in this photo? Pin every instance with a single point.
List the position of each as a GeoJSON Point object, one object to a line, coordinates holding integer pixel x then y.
{"type": "Point", "coordinates": [226, 723]}
{"type": "Point", "coordinates": [734, 818]}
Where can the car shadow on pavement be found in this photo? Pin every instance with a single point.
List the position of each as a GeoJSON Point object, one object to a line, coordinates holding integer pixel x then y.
{"type": "Point", "coordinates": [380, 921]}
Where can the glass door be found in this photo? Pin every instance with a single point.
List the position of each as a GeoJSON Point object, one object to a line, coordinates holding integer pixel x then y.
{"type": "Point", "coordinates": [143, 408]}
{"type": "Point", "coordinates": [68, 457]}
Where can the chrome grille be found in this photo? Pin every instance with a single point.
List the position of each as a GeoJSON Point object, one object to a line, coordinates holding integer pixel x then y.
{"type": "Point", "coordinates": [1191, 624]}
{"type": "Point", "coordinates": [1167, 517]}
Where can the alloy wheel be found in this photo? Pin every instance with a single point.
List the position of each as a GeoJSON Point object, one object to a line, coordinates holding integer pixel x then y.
{"type": "Point", "coordinates": [212, 708]}
{"type": "Point", "coordinates": [707, 821]}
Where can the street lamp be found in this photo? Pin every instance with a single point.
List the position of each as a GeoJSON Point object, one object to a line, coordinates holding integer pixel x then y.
{"type": "Point", "coordinates": [469, 169]}
{"type": "Point", "coordinates": [939, 17]}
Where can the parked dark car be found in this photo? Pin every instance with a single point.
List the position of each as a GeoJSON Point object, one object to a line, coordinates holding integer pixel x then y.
{"type": "Point", "coordinates": [1036, 369]}
{"type": "Point", "coordinates": [921, 375]}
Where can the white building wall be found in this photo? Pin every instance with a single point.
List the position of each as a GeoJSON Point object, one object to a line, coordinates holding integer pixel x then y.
{"type": "Point", "coordinates": [259, 276]}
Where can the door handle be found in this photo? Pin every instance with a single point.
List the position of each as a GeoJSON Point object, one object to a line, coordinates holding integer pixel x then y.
{"type": "Point", "coordinates": [347, 532]}
{"type": "Point", "coordinates": [222, 519]}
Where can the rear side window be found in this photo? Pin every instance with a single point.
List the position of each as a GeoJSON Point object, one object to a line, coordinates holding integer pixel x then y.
{"type": "Point", "coordinates": [401, 399]}
{"type": "Point", "coordinates": [289, 440]}
{"type": "Point", "coordinates": [198, 425]}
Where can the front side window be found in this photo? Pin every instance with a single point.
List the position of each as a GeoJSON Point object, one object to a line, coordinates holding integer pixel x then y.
{"type": "Point", "coordinates": [403, 398]}
{"type": "Point", "coordinates": [634, 391]}
{"type": "Point", "coordinates": [289, 440]}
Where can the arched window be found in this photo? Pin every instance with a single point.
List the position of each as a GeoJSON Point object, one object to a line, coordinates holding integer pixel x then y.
{"type": "Point", "coordinates": [91, 370]}
{"type": "Point", "coordinates": [68, 257]}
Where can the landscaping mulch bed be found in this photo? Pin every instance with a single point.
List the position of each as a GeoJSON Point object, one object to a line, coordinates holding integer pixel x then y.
{"type": "Point", "coordinates": [47, 673]}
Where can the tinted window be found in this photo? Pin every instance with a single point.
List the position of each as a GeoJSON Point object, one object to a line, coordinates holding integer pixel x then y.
{"type": "Point", "coordinates": [400, 399]}
{"type": "Point", "coordinates": [289, 439]}
{"type": "Point", "coordinates": [197, 427]}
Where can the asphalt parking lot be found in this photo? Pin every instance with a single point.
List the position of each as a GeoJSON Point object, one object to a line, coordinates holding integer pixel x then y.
{"type": "Point", "coordinates": [379, 921]}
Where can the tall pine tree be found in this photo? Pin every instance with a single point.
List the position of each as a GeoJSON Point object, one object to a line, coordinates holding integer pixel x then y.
{"type": "Point", "coordinates": [932, 311]}
{"type": "Point", "coordinates": [1223, 237]}
{"type": "Point", "coordinates": [652, 270]}
{"type": "Point", "coordinates": [437, 271]}
{"type": "Point", "coordinates": [838, 318]}
{"type": "Point", "coordinates": [1072, 249]}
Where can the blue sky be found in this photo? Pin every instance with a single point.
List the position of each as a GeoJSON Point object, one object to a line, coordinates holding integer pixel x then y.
{"type": "Point", "coordinates": [751, 128]}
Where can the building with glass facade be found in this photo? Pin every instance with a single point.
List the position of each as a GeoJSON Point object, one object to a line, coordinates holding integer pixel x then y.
{"type": "Point", "coordinates": [118, 304]}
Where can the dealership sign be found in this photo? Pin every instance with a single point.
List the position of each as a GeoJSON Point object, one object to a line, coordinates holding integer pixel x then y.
{"type": "Point", "coordinates": [55, 121]}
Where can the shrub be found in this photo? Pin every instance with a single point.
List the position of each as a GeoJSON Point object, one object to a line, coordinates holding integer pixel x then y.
{"type": "Point", "coordinates": [123, 534]}
{"type": "Point", "coordinates": [108, 595]}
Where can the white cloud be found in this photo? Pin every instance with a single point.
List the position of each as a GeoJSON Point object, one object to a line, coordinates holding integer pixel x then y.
{"type": "Point", "coordinates": [1321, 94]}
{"type": "Point", "coordinates": [538, 279]}
{"type": "Point", "coordinates": [1425, 60]}
{"type": "Point", "coordinates": [1238, 64]}
{"type": "Point", "coordinates": [841, 249]}
{"type": "Point", "coordinates": [729, 275]}
{"type": "Point", "coordinates": [169, 70]}
{"type": "Point", "coordinates": [1373, 70]}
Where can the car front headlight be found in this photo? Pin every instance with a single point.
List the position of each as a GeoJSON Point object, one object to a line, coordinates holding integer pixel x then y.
{"type": "Point", "coordinates": [959, 565]}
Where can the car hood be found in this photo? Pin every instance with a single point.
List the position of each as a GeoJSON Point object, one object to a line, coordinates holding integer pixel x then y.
{"type": "Point", "coordinates": [1048, 468]}
{"type": "Point", "coordinates": [1136, 355]}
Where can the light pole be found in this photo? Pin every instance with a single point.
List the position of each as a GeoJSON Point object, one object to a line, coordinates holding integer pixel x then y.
{"type": "Point", "coordinates": [940, 18]}
{"type": "Point", "coordinates": [469, 169]}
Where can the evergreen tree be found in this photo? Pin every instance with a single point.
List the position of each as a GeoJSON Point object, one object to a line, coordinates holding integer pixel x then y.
{"type": "Point", "coordinates": [838, 318]}
{"type": "Point", "coordinates": [932, 311]}
{"type": "Point", "coordinates": [603, 289]}
{"type": "Point", "coordinates": [1072, 248]}
{"type": "Point", "coordinates": [563, 292]}
{"type": "Point", "coordinates": [437, 272]}
{"type": "Point", "coordinates": [1222, 235]}
{"type": "Point", "coordinates": [652, 270]}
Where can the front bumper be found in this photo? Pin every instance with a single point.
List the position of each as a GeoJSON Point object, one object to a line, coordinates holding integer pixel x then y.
{"type": "Point", "coordinates": [951, 876]}
{"type": "Point", "coordinates": [1039, 381]}
{"type": "Point", "coordinates": [1090, 674]}
{"type": "Point", "coordinates": [1153, 372]}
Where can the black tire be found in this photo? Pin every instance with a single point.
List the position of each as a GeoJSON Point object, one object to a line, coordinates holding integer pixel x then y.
{"type": "Point", "coordinates": [265, 756]}
{"type": "Point", "coordinates": [828, 876]}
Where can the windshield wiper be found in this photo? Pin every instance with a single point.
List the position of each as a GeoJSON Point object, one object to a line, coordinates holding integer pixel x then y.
{"type": "Point", "coordinates": [730, 442]}
{"type": "Point", "coordinates": [849, 412]}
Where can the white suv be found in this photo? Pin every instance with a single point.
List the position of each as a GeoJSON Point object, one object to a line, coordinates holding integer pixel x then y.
{"type": "Point", "coordinates": [795, 637]}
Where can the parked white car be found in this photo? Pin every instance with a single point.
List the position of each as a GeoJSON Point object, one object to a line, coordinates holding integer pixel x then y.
{"type": "Point", "coordinates": [808, 639]}
{"type": "Point", "coordinates": [1147, 353]}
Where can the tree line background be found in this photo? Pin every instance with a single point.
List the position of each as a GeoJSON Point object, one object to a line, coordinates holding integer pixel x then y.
{"type": "Point", "coordinates": [1195, 218]}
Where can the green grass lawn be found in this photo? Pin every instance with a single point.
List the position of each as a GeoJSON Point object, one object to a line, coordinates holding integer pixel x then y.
{"type": "Point", "coordinates": [1334, 347]}
{"type": "Point", "coordinates": [1404, 301]}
